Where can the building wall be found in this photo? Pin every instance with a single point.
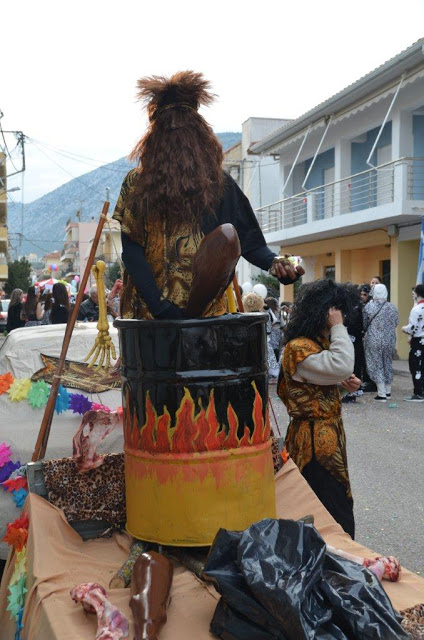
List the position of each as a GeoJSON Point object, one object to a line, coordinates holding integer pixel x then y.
{"type": "Point", "coordinates": [323, 161]}
{"type": "Point", "coordinates": [404, 273]}
{"type": "Point", "coordinates": [418, 135]}
{"type": "Point", "coordinates": [357, 259]}
{"type": "Point", "coordinates": [361, 150]}
{"type": "Point", "coordinates": [86, 231]}
{"type": "Point", "coordinates": [259, 176]}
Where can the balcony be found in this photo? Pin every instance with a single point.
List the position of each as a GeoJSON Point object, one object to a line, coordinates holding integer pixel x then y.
{"type": "Point", "coordinates": [69, 252]}
{"type": "Point", "coordinates": [3, 238]}
{"type": "Point", "coordinates": [388, 194]}
{"type": "Point", "coordinates": [3, 267]}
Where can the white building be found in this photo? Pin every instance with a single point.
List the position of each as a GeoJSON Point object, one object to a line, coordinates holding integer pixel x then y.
{"type": "Point", "coordinates": [257, 176]}
{"type": "Point", "coordinates": [352, 190]}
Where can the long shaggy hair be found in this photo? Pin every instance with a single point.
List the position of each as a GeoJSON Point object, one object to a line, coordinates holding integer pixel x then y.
{"type": "Point", "coordinates": [313, 301]}
{"type": "Point", "coordinates": [179, 157]}
{"type": "Point", "coordinates": [30, 305]}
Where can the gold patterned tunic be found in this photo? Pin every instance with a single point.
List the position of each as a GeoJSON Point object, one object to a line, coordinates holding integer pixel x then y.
{"type": "Point", "coordinates": [170, 256]}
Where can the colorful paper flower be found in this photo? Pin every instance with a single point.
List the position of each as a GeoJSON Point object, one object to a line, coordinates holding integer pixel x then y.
{"type": "Point", "coordinates": [100, 407]}
{"type": "Point", "coordinates": [16, 597]}
{"type": "Point", "coordinates": [19, 625]}
{"type": "Point", "coordinates": [13, 607]}
{"type": "Point", "coordinates": [5, 454]}
{"type": "Point", "coordinates": [19, 523]}
{"type": "Point", "coordinates": [14, 484]}
{"type": "Point", "coordinates": [19, 497]}
{"type": "Point", "coordinates": [22, 471]}
{"type": "Point", "coordinates": [62, 400]}
{"type": "Point", "coordinates": [79, 403]}
{"type": "Point", "coordinates": [39, 394]}
{"type": "Point", "coordinates": [7, 469]}
{"type": "Point", "coordinates": [16, 538]}
{"type": "Point", "coordinates": [6, 379]}
{"type": "Point", "coordinates": [20, 566]}
{"type": "Point", "coordinates": [19, 389]}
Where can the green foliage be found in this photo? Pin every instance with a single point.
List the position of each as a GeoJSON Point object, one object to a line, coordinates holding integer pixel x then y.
{"type": "Point", "coordinates": [271, 284]}
{"type": "Point", "coordinates": [113, 273]}
{"type": "Point", "coordinates": [19, 276]}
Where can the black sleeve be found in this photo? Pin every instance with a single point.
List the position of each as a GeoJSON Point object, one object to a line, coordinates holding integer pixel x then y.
{"type": "Point", "coordinates": [235, 208]}
{"type": "Point", "coordinates": [261, 257]}
{"type": "Point", "coordinates": [139, 270]}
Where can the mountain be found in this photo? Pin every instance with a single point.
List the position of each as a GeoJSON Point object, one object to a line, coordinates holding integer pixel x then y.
{"type": "Point", "coordinates": [44, 219]}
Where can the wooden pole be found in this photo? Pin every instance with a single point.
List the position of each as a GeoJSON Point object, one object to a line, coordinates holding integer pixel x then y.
{"type": "Point", "coordinates": [238, 294]}
{"type": "Point", "coordinates": [43, 434]}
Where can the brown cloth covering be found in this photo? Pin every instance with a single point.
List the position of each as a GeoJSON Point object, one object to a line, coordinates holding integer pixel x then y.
{"type": "Point", "coordinates": [58, 560]}
{"type": "Point", "coordinates": [77, 375]}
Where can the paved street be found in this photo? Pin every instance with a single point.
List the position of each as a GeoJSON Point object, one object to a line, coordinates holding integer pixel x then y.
{"type": "Point", "coordinates": [385, 448]}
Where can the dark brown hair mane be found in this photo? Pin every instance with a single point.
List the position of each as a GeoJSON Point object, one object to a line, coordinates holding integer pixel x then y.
{"type": "Point", "coordinates": [179, 158]}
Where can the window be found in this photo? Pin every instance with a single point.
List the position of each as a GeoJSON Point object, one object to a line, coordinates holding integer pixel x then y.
{"type": "Point", "coordinates": [330, 272]}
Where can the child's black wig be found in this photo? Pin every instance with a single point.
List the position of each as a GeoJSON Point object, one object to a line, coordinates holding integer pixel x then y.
{"type": "Point", "coordinates": [313, 300]}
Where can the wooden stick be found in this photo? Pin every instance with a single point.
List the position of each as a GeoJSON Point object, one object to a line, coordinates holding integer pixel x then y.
{"type": "Point", "coordinates": [238, 294]}
{"type": "Point", "coordinates": [43, 434]}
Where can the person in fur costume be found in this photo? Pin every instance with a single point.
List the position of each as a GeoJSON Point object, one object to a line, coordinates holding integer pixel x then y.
{"type": "Point", "coordinates": [177, 194]}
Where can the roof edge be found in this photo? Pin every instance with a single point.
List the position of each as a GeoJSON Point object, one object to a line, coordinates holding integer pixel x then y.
{"type": "Point", "coordinates": [388, 71]}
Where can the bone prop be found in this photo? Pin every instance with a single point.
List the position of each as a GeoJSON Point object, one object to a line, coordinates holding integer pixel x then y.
{"type": "Point", "coordinates": [95, 427]}
{"type": "Point", "coordinates": [111, 623]}
{"type": "Point", "coordinates": [122, 577]}
{"type": "Point", "coordinates": [151, 582]}
{"type": "Point", "coordinates": [103, 346]}
{"type": "Point", "coordinates": [383, 567]}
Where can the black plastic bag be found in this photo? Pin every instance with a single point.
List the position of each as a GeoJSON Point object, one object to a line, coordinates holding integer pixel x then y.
{"type": "Point", "coordinates": [278, 583]}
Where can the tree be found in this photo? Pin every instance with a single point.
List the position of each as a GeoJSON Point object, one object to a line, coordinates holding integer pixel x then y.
{"type": "Point", "coordinates": [113, 273]}
{"type": "Point", "coordinates": [19, 276]}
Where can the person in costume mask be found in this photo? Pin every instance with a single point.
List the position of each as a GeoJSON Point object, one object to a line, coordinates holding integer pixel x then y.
{"type": "Point", "coordinates": [177, 194]}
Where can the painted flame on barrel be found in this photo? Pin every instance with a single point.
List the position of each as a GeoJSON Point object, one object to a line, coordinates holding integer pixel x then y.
{"type": "Point", "coordinates": [195, 433]}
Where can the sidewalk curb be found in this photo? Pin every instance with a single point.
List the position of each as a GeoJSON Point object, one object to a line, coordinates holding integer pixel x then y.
{"type": "Point", "coordinates": [399, 372]}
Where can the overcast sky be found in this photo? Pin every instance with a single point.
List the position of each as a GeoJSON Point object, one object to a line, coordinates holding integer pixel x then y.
{"type": "Point", "coordinates": [69, 70]}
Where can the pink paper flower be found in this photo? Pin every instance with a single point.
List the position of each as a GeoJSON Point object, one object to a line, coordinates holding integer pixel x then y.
{"type": "Point", "coordinates": [5, 454]}
{"type": "Point", "coordinates": [100, 407]}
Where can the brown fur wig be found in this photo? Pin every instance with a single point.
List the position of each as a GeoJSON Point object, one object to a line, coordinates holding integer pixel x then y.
{"type": "Point", "coordinates": [179, 157]}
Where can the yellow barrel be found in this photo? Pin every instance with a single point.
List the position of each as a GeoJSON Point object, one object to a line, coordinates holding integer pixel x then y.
{"type": "Point", "coordinates": [196, 426]}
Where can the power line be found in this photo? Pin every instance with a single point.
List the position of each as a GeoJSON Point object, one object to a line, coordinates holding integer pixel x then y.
{"type": "Point", "coordinates": [87, 186]}
{"type": "Point", "coordinates": [90, 164]}
{"type": "Point", "coordinates": [78, 155]}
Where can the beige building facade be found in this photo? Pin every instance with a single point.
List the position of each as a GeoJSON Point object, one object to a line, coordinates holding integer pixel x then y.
{"type": "Point", "coordinates": [352, 183]}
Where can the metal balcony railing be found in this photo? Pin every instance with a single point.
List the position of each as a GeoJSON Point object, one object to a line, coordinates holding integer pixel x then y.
{"type": "Point", "coordinates": [416, 178]}
{"type": "Point", "coordinates": [357, 192]}
{"type": "Point", "coordinates": [69, 250]}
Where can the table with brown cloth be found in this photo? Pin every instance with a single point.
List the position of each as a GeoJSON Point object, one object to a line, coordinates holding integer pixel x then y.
{"type": "Point", "coordinates": [58, 560]}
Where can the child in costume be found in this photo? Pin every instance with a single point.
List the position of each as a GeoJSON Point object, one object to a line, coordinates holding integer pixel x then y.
{"type": "Point", "coordinates": [318, 355]}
